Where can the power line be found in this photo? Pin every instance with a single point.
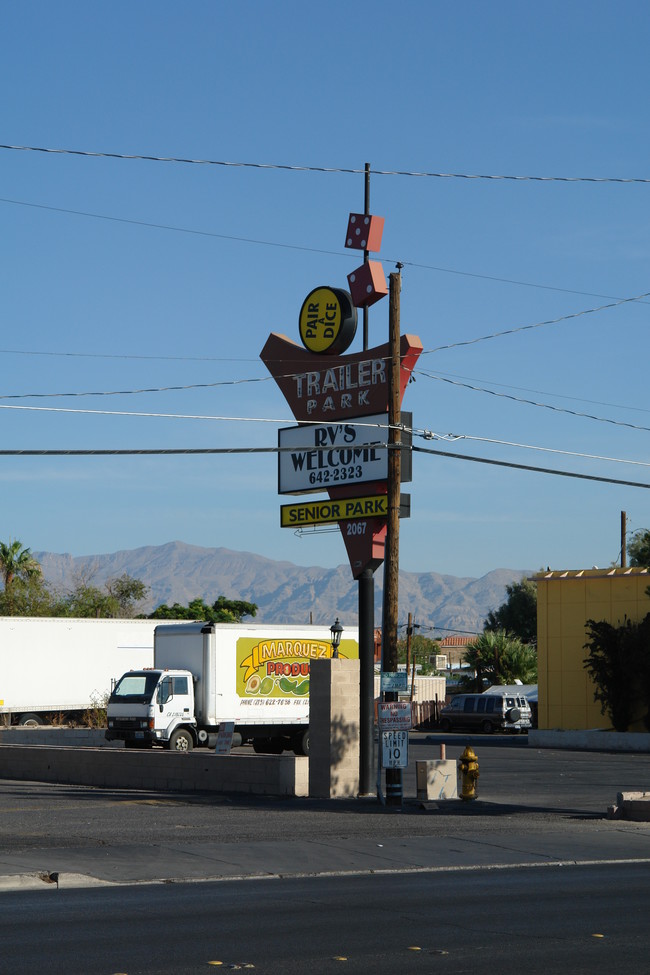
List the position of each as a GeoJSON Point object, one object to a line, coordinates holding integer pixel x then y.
{"type": "Point", "coordinates": [530, 402]}
{"type": "Point", "coordinates": [170, 227]}
{"type": "Point", "coordinates": [452, 438]}
{"type": "Point", "coordinates": [441, 348]}
{"type": "Point", "coordinates": [527, 467]}
{"type": "Point", "coordinates": [314, 250]}
{"type": "Point", "coordinates": [326, 169]}
{"type": "Point", "coordinates": [172, 451]}
{"type": "Point", "coordinates": [543, 392]}
{"type": "Point", "coordinates": [125, 355]}
{"type": "Point", "coordinates": [525, 328]}
{"type": "Point", "coordinates": [239, 382]}
{"type": "Point", "coordinates": [502, 280]}
{"type": "Point", "coordinates": [442, 377]}
{"type": "Point", "coordinates": [134, 392]}
{"type": "Point", "coordinates": [359, 422]}
{"type": "Point", "coordinates": [384, 427]}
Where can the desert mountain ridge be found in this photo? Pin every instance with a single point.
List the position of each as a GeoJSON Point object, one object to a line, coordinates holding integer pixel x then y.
{"type": "Point", "coordinates": [284, 592]}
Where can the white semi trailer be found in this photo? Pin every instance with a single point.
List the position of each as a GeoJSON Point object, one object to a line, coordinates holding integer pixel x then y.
{"type": "Point", "coordinates": [54, 669]}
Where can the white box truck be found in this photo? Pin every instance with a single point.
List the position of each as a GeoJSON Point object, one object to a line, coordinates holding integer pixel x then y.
{"type": "Point", "coordinates": [54, 669]}
{"type": "Point", "coordinates": [252, 674]}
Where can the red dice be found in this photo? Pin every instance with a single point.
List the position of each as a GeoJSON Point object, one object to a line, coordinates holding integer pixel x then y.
{"type": "Point", "coordinates": [367, 284]}
{"type": "Point", "coordinates": [364, 232]}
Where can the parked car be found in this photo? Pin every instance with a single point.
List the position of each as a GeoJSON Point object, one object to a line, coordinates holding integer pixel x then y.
{"type": "Point", "coordinates": [487, 712]}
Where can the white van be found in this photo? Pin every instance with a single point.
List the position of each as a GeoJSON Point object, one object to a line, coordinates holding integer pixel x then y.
{"type": "Point", "coordinates": [487, 712]}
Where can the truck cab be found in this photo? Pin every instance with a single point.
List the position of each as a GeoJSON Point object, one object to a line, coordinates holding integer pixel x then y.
{"type": "Point", "coordinates": [149, 707]}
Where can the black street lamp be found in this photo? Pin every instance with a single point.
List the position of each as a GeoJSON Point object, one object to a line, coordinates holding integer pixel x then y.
{"type": "Point", "coordinates": [336, 629]}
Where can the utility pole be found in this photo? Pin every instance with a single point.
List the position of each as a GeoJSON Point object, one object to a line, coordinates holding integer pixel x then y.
{"type": "Point", "coordinates": [623, 540]}
{"type": "Point", "coordinates": [366, 616]}
{"type": "Point", "coordinates": [366, 254]}
{"type": "Point", "coordinates": [391, 561]}
{"type": "Point", "coordinates": [409, 634]}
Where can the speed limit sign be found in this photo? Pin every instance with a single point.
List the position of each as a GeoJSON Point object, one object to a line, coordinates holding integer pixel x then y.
{"type": "Point", "coordinates": [394, 749]}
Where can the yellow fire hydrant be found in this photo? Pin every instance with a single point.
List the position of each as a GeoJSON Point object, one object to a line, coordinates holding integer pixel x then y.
{"type": "Point", "coordinates": [469, 773]}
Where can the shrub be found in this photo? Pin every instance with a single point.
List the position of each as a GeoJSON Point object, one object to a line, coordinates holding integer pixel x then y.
{"type": "Point", "coordinates": [618, 663]}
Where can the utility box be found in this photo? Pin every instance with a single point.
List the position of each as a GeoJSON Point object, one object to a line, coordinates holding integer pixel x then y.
{"type": "Point", "coordinates": [437, 779]}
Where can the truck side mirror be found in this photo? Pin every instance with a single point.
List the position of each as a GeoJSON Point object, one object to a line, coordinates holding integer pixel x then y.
{"type": "Point", "coordinates": [164, 692]}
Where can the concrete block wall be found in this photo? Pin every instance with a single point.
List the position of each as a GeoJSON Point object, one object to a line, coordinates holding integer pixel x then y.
{"type": "Point", "coordinates": [198, 771]}
{"type": "Point", "coordinates": [334, 729]}
{"type": "Point", "coordinates": [47, 735]}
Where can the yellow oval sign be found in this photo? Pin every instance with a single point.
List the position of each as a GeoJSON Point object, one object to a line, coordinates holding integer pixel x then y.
{"type": "Point", "coordinates": [328, 321]}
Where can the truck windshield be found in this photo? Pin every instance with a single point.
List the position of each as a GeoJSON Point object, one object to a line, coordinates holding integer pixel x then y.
{"type": "Point", "coordinates": [135, 686]}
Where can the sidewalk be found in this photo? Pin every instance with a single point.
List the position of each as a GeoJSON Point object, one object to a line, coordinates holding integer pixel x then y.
{"type": "Point", "coordinates": [484, 836]}
{"type": "Point", "coordinates": [536, 807]}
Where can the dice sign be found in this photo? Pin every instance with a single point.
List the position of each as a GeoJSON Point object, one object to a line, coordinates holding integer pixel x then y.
{"type": "Point", "coordinates": [364, 232]}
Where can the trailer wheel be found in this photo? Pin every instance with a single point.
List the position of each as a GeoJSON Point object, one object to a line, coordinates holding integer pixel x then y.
{"type": "Point", "coordinates": [181, 741]}
{"type": "Point", "coordinates": [300, 743]}
{"type": "Point", "coordinates": [31, 720]}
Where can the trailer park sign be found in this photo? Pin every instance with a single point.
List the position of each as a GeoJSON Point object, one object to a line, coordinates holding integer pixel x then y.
{"type": "Point", "coordinates": [340, 402]}
{"type": "Point", "coordinates": [341, 405]}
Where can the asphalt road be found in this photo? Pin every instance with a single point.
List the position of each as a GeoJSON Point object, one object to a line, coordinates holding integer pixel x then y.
{"type": "Point", "coordinates": [531, 875]}
{"type": "Point", "coordinates": [583, 920]}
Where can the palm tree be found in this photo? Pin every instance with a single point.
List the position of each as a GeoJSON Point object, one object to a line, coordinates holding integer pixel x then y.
{"type": "Point", "coordinates": [17, 562]}
{"type": "Point", "coordinates": [501, 659]}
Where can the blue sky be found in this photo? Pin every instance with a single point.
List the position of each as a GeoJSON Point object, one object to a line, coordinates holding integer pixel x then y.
{"type": "Point", "coordinates": [124, 275]}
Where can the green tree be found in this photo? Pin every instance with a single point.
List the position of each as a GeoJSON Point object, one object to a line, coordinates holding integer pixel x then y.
{"type": "Point", "coordinates": [26, 593]}
{"type": "Point", "coordinates": [87, 601]}
{"type": "Point", "coordinates": [29, 597]}
{"type": "Point", "coordinates": [518, 614]}
{"type": "Point", "coordinates": [17, 564]}
{"type": "Point", "coordinates": [126, 592]}
{"type": "Point", "coordinates": [499, 658]}
{"type": "Point", "coordinates": [619, 666]}
{"type": "Point", "coordinates": [422, 648]}
{"type": "Point", "coordinates": [638, 549]}
{"type": "Point", "coordinates": [116, 600]}
{"type": "Point", "coordinates": [222, 610]}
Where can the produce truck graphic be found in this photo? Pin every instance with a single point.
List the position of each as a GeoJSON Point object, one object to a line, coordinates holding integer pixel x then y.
{"type": "Point", "coordinates": [280, 668]}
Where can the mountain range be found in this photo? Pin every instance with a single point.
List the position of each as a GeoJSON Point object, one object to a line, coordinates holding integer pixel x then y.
{"type": "Point", "coordinates": [283, 592]}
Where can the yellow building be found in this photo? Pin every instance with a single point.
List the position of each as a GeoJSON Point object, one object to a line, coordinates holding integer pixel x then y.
{"type": "Point", "coordinates": [565, 601]}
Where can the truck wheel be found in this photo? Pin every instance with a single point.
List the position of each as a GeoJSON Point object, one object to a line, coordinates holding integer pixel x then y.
{"type": "Point", "coordinates": [30, 720]}
{"type": "Point", "coordinates": [181, 741]}
{"type": "Point", "coordinates": [486, 727]}
{"type": "Point", "coordinates": [445, 724]}
{"type": "Point", "coordinates": [513, 715]}
{"type": "Point", "coordinates": [300, 743]}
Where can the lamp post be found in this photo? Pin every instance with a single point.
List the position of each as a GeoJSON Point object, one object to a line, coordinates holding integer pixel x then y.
{"type": "Point", "coordinates": [336, 629]}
